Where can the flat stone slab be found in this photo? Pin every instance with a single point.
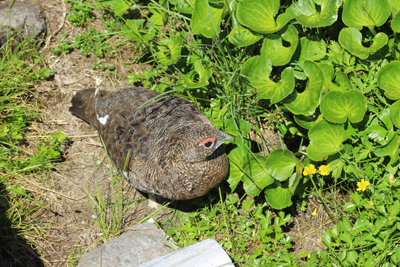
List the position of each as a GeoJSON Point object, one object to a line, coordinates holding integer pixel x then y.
{"type": "Point", "coordinates": [205, 253]}
{"type": "Point", "coordinates": [138, 244]}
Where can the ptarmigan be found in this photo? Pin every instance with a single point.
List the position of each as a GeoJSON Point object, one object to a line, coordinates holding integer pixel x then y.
{"type": "Point", "coordinates": [163, 145]}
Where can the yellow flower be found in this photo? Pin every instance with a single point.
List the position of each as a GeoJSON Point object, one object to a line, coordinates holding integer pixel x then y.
{"type": "Point", "coordinates": [323, 170]}
{"type": "Point", "coordinates": [309, 170]}
{"type": "Point", "coordinates": [362, 186]}
{"type": "Point", "coordinates": [371, 203]}
{"type": "Point", "coordinates": [314, 213]}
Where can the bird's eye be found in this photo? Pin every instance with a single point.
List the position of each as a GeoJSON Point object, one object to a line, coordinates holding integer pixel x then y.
{"type": "Point", "coordinates": [208, 143]}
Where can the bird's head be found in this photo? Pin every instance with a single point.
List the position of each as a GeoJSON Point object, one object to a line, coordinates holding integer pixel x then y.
{"type": "Point", "coordinates": [200, 142]}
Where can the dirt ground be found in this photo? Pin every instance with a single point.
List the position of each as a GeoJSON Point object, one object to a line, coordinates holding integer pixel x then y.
{"type": "Point", "coordinates": [71, 229]}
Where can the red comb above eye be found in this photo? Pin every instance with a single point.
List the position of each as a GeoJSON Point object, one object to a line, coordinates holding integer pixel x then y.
{"type": "Point", "coordinates": [208, 139]}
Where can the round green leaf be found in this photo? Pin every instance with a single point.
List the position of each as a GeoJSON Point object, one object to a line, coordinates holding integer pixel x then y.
{"type": "Point", "coordinates": [395, 5]}
{"type": "Point", "coordinates": [391, 149]}
{"type": "Point", "coordinates": [280, 164]}
{"type": "Point", "coordinates": [337, 106]}
{"type": "Point", "coordinates": [396, 23]}
{"type": "Point", "coordinates": [325, 139]}
{"type": "Point", "coordinates": [273, 48]}
{"type": "Point", "coordinates": [351, 40]}
{"type": "Point", "coordinates": [250, 187]}
{"type": "Point", "coordinates": [306, 102]}
{"type": "Point", "coordinates": [240, 36]}
{"type": "Point", "coordinates": [258, 69]}
{"type": "Point", "coordinates": [259, 15]}
{"type": "Point", "coordinates": [277, 196]}
{"type": "Point", "coordinates": [368, 13]}
{"type": "Point", "coordinates": [236, 159]}
{"type": "Point", "coordinates": [395, 113]}
{"type": "Point", "coordinates": [257, 170]}
{"type": "Point", "coordinates": [206, 20]}
{"type": "Point", "coordinates": [322, 15]}
{"type": "Point", "coordinates": [308, 121]}
{"type": "Point", "coordinates": [309, 50]}
{"type": "Point", "coordinates": [389, 80]}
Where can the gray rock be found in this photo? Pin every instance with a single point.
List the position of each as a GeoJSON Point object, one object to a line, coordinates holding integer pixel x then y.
{"type": "Point", "coordinates": [23, 18]}
{"type": "Point", "coordinates": [205, 253]}
{"type": "Point", "coordinates": [138, 244]}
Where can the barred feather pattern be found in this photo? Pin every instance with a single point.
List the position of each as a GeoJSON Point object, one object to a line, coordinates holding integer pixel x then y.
{"type": "Point", "coordinates": [163, 145]}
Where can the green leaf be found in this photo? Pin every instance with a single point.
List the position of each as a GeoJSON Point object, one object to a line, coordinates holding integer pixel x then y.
{"type": "Point", "coordinates": [389, 80]}
{"type": "Point", "coordinates": [395, 208]}
{"type": "Point", "coordinates": [368, 13]}
{"type": "Point", "coordinates": [277, 196]}
{"type": "Point", "coordinates": [173, 53]}
{"type": "Point", "coordinates": [308, 121]}
{"type": "Point", "coordinates": [274, 49]}
{"type": "Point", "coordinates": [337, 106]}
{"type": "Point", "coordinates": [259, 15]}
{"type": "Point", "coordinates": [395, 5]}
{"type": "Point", "coordinates": [395, 113]}
{"type": "Point", "coordinates": [206, 20]}
{"type": "Point", "coordinates": [391, 149]}
{"type": "Point", "coordinates": [256, 168]}
{"type": "Point", "coordinates": [325, 139]}
{"type": "Point", "coordinates": [309, 50]}
{"type": "Point", "coordinates": [396, 23]}
{"type": "Point", "coordinates": [310, 15]}
{"type": "Point", "coordinates": [329, 72]}
{"type": "Point", "coordinates": [246, 205]}
{"type": "Point", "coordinates": [160, 18]}
{"type": "Point", "coordinates": [236, 127]}
{"type": "Point", "coordinates": [120, 7]}
{"type": "Point", "coordinates": [250, 187]}
{"type": "Point", "coordinates": [343, 81]}
{"type": "Point", "coordinates": [134, 30]}
{"type": "Point", "coordinates": [204, 75]}
{"type": "Point", "coordinates": [295, 178]}
{"type": "Point", "coordinates": [236, 164]}
{"type": "Point", "coordinates": [280, 164]}
{"type": "Point", "coordinates": [306, 102]}
{"type": "Point", "coordinates": [239, 35]}
{"type": "Point", "coordinates": [351, 40]}
{"type": "Point", "coordinates": [258, 69]}
{"type": "Point", "coordinates": [327, 238]}
{"type": "Point", "coordinates": [184, 6]}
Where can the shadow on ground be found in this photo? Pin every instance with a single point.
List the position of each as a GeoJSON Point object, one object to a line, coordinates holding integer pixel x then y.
{"type": "Point", "coordinates": [14, 249]}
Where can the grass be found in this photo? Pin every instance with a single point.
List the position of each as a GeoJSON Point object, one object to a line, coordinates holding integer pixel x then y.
{"type": "Point", "coordinates": [108, 215]}
{"type": "Point", "coordinates": [20, 69]}
{"type": "Point", "coordinates": [365, 225]}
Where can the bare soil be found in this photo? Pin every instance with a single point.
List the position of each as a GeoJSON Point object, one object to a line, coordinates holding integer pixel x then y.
{"type": "Point", "coordinates": [67, 222]}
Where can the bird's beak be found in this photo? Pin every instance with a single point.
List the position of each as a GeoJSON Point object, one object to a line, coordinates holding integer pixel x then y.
{"type": "Point", "coordinates": [223, 138]}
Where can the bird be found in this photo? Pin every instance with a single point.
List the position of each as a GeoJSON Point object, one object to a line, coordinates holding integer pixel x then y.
{"type": "Point", "coordinates": [163, 145]}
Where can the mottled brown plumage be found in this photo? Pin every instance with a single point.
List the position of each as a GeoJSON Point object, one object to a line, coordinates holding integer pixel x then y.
{"type": "Point", "coordinates": [162, 144]}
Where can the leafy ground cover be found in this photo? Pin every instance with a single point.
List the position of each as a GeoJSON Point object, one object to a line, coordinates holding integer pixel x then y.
{"type": "Point", "coordinates": [330, 66]}
{"type": "Point", "coordinates": [323, 75]}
